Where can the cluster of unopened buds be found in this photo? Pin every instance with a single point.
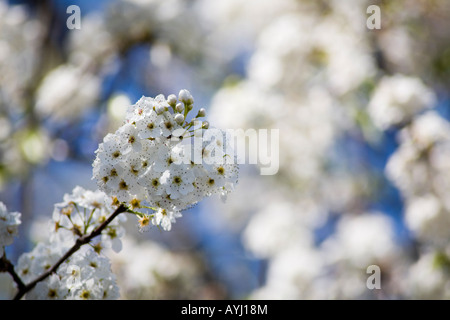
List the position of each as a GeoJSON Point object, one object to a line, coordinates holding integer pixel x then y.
{"type": "Point", "coordinates": [159, 163]}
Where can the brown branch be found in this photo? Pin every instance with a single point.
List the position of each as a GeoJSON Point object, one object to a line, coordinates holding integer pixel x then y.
{"type": "Point", "coordinates": [7, 266]}
{"type": "Point", "coordinates": [80, 241]}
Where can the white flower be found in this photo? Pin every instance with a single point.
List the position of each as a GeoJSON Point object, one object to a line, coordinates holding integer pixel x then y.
{"type": "Point", "coordinates": [144, 106]}
{"type": "Point", "coordinates": [110, 289]}
{"type": "Point", "coordinates": [87, 290]}
{"type": "Point", "coordinates": [151, 181]}
{"type": "Point", "coordinates": [427, 278]}
{"type": "Point", "coordinates": [427, 217]}
{"type": "Point", "coordinates": [293, 272]}
{"type": "Point", "coordinates": [81, 212]}
{"type": "Point", "coordinates": [426, 130]}
{"type": "Point", "coordinates": [108, 176]}
{"type": "Point", "coordinates": [99, 264]}
{"type": "Point", "coordinates": [274, 229]}
{"type": "Point", "coordinates": [163, 158]}
{"type": "Point", "coordinates": [147, 125]}
{"type": "Point", "coordinates": [88, 275]}
{"type": "Point", "coordinates": [40, 259]}
{"type": "Point", "coordinates": [9, 223]}
{"type": "Point", "coordinates": [397, 99]}
{"type": "Point", "coordinates": [133, 170]}
{"type": "Point", "coordinates": [123, 191]}
{"type": "Point", "coordinates": [227, 188]}
{"type": "Point", "coordinates": [129, 135]}
{"type": "Point", "coordinates": [418, 163]}
{"type": "Point", "coordinates": [113, 149]}
{"type": "Point", "coordinates": [165, 218]}
{"type": "Point", "coordinates": [67, 91]}
{"type": "Point", "coordinates": [167, 124]}
{"type": "Point", "coordinates": [73, 273]}
{"type": "Point", "coordinates": [50, 289]}
{"type": "Point", "coordinates": [179, 181]}
{"type": "Point", "coordinates": [111, 237]}
{"type": "Point", "coordinates": [362, 240]}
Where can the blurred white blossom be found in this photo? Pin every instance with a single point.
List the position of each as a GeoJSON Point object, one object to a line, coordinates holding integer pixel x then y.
{"type": "Point", "coordinates": [9, 224]}
{"type": "Point", "coordinates": [66, 91]}
{"type": "Point", "coordinates": [397, 99]}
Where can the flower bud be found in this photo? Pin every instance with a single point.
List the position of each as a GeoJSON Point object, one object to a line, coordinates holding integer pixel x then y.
{"type": "Point", "coordinates": [179, 107]}
{"type": "Point", "coordinates": [205, 125]}
{"type": "Point", "coordinates": [160, 109]}
{"type": "Point", "coordinates": [201, 112]}
{"type": "Point", "coordinates": [172, 100]}
{"type": "Point", "coordinates": [185, 96]}
{"type": "Point", "coordinates": [179, 118]}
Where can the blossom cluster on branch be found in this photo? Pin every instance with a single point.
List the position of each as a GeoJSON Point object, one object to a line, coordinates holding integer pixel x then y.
{"type": "Point", "coordinates": [149, 162]}
{"type": "Point", "coordinates": [137, 168]}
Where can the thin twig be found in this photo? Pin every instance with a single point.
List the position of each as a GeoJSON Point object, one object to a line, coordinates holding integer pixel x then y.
{"type": "Point", "coordinates": [80, 241]}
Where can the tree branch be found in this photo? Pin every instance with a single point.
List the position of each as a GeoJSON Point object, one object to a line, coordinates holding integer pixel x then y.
{"type": "Point", "coordinates": [80, 242]}
{"type": "Point", "coordinates": [7, 266]}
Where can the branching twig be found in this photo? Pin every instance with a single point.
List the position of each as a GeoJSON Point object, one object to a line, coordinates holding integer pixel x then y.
{"type": "Point", "coordinates": [23, 289]}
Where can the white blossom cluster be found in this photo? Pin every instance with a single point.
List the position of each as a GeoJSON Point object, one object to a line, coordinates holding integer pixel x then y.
{"type": "Point", "coordinates": [423, 144]}
{"type": "Point", "coordinates": [20, 36]}
{"type": "Point", "coordinates": [397, 99]}
{"type": "Point", "coordinates": [152, 162]}
{"type": "Point", "coordinates": [69, 86]}
{"type": "Point", "coordinates": [9, 224]}
{"type": "Point", "coordinates": [82, 212]}
{"type": "Point", "coordinates": [420, 169]}
{"type": "Point", "coordinates": [428, 278]}
{"type": "Point", "coordinates": [87, 273]}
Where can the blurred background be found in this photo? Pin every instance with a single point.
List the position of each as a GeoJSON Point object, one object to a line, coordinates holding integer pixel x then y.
{"type": "Point", "coordinates": [363, 113]}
